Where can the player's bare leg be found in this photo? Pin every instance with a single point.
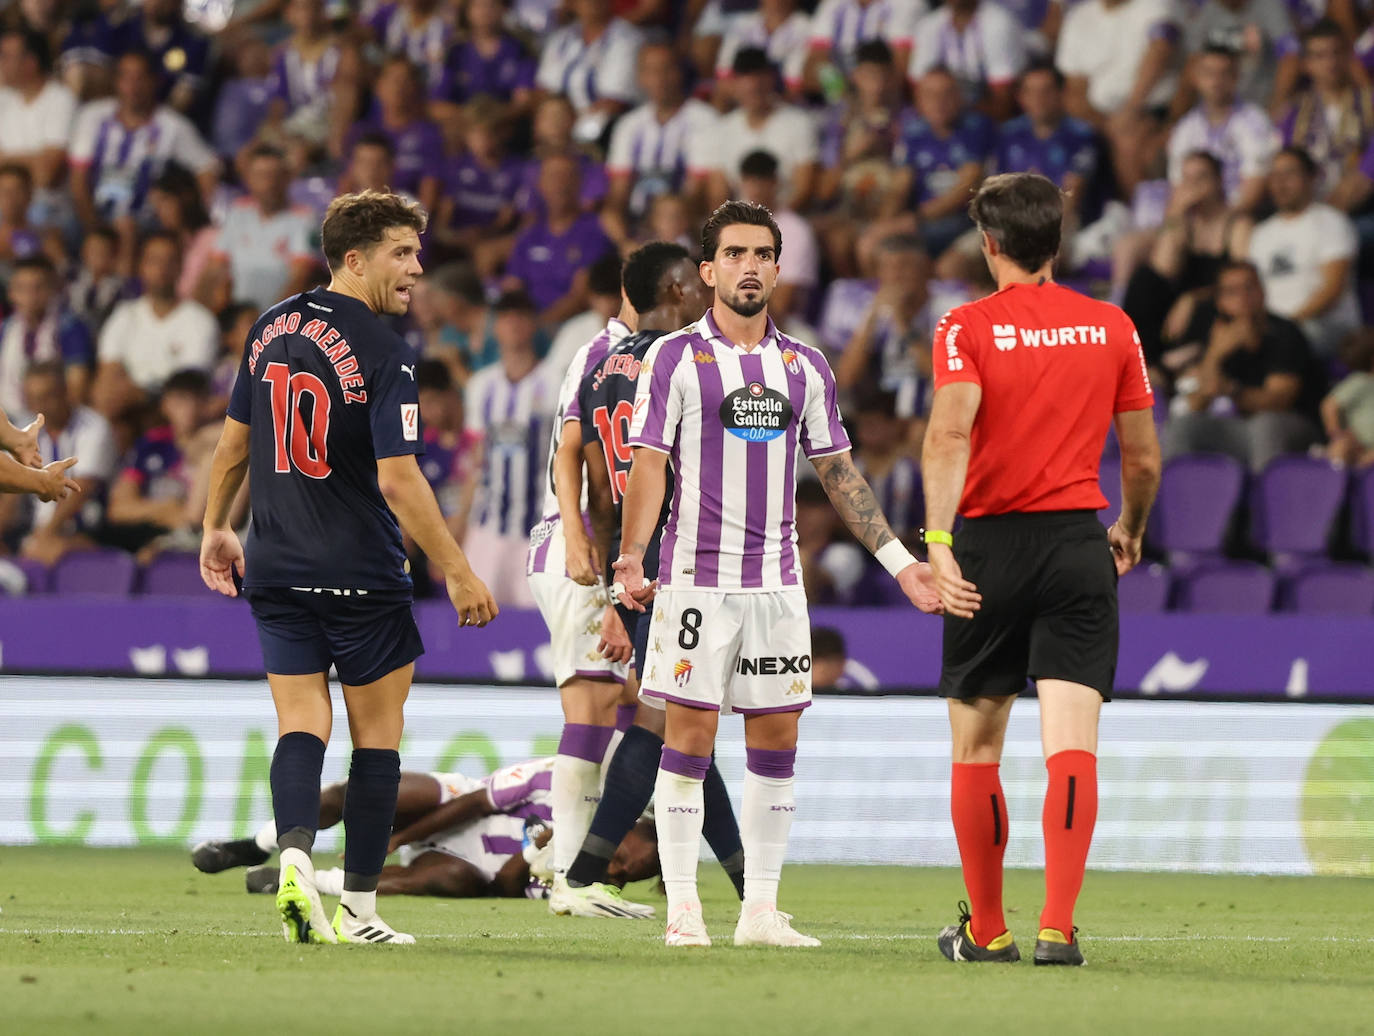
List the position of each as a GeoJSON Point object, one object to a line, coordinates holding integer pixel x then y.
{"type": "Point", "coordinates": [304, 718]}
{"type": "Point", "coordinates": [589, 722]}
{"type": "Point", "coordinates": [376, 717]}
{"type": "Point", "coordinates": [1069, 715]}
{"type": "Point", "coordinates": [766, 813]}
{"type": "Point", "coordinates": [689, 737]}
{"type": "Point", "coordinates": [979, 809]}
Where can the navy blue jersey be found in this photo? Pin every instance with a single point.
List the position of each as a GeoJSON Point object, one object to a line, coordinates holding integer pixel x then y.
{"type": "Point", "coordinates": [606, 401]}
{"type": "Point", "coordinates": [326, 388]}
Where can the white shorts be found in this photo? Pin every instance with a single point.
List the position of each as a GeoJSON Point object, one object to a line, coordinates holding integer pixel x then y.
{"type": "Point", "coordinates": [572, 613]}
{"type": "Point", "coordinates": [732, 652]}
{"type": "Point", "coordinates": [486, 843]}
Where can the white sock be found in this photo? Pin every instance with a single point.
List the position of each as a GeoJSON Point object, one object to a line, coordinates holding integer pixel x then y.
{"type": "Point", "coordinates": [678, 811]}
{"type": "Point", "coordinates": [616, 738]}
{"type": "Point", "coordinates": [573, 796]}
{"type": "Point", "coordinates": [363, 904]}
{"type": "Point", "coordinates": [330, 882]}
{"type": "Point", "coordinates": [765, 820]}
{"type": "Point", "coordinates": [300, 860]}
{"type": "Point", "coordinates": [266, 838]}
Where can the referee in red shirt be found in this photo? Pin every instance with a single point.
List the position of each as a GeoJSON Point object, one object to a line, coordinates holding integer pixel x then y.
{"type": "Point", "coordinates": [1026, 382]}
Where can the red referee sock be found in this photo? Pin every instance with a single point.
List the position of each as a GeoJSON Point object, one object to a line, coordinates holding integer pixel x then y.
{"type": "Point", "coordinates": [979, 810]}
{"type": "Point", "coordinates": [1070, 813]}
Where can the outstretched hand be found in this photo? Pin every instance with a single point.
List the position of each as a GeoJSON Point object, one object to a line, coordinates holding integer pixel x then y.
{"type": "Point", "coordinates": [631, 588]}
{"type": "Point", "coordinates": [918, 583]}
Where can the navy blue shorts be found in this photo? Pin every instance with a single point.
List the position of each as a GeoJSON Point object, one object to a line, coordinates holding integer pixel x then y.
{"type": "Point", "coordinates": [637, 626]}
{"type": "Point", "coordinates": [364, 637]}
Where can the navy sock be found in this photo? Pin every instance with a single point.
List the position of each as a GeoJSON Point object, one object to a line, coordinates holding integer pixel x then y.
{"type": "Point", "coordinates": [295, 777]}
{"type": "Point", "coordinates": [374, 776]}
{"type": "Point", "coordinates": [629, 787]}
{"type": "Point", "coordinates": [721, 829]}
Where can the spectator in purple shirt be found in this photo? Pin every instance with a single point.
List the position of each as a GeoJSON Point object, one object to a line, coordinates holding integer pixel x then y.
{"type": "Point", "coordinates": [419, 144]}
{"type": "Point", "coordinates": [245, 100]}
{"type": "Point", "coordinates": [550, 259]}
{"type": "Point", "coordinates": [943, 148]}
{"type": "Point", "coordinates": [488, 61]}
{"type": "Point", "coordinates": [554, 119]}
{"type": "Point", "coordinates": [316, 76]}
{"type": "Point", "coordinates": [158, 28]}
{"type": "Point", "coordinates": [481, 184]}
{"type": "Point", "coordinates": [20, 239]}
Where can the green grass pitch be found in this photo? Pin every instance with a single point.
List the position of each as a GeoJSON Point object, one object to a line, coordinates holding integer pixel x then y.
{"type": "Point", "coordinates": [137, 941]}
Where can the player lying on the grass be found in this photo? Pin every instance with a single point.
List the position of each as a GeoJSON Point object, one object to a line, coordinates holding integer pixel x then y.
{"type": "Point", "coordinates": [458, 837]}
{"type": "Point", "coordinates": [663, 285]}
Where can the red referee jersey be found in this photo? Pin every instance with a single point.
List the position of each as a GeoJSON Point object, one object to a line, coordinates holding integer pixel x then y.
{"type": "Point", "coordinates": [1054, 366]}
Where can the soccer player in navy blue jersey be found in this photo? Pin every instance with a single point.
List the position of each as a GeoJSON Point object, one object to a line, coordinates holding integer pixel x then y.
{"type": "Point", "coordinates": [324, 419]}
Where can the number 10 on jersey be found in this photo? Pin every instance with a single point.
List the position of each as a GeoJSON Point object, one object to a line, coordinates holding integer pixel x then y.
{"type": "Point", "coordinates": [298, 445]}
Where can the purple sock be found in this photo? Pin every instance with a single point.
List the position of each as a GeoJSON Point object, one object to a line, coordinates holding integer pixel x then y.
{"type": "Point", "coordinates": [625, 717]}
{"type": "Point", "coordinates": [584, 741]}
{"type": "Point", "coordinates": [693, 766]}
{"type": "Point", "coordinates": [777, 763]}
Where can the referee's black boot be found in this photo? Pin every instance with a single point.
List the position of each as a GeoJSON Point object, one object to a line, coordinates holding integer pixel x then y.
{"type": "Point", "coordinates": [1053, 948]}
{"type": "Point", "coordinates": [956, 943]}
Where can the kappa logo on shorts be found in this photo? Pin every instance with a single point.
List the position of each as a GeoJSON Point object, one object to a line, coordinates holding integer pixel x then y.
{"type": "Point", "coordinates": [658, 615]}
{"type": "Point", "coordinates": [682, 672]}
{"type": "Point", "coordinates": [593, 627]}
{"type": "Point", "coordinates": [797, 687]}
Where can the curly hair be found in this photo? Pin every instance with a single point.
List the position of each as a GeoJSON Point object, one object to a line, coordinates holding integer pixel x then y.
{"type": "Point", "coordinates": [361, 221]}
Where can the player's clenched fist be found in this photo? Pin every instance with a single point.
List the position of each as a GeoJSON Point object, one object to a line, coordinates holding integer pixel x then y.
{"type": "Point", "coordinates": [471, 600]}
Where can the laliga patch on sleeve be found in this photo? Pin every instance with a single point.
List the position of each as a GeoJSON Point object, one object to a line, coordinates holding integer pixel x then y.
{"type": "Point", "coordinates": [410, 421]}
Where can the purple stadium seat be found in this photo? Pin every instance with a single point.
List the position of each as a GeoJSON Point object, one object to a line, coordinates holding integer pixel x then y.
{"type": "Point", "coordinates": [1362, 506]}
{"type": "Point", "coordinates": [1144, 588]}
{"type": "Point", "coordinates": [1331, 589]}
{"type": "Point", "coordinates": [1109, 478]}
{"type": "Point", "coordinates": [95, 572]}
{"type": "Point", "coordinates": [1293, 504]}
{"type": "Point", "coordinates": [1236, 587]}
{"type": "Point", "coordinates": [176, 575]}
{"type": "Point", "coordinates": [1198, 493]}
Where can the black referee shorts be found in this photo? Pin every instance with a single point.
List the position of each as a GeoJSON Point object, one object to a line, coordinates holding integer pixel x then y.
{"type": "Point", "coordinates": [1049, 609]}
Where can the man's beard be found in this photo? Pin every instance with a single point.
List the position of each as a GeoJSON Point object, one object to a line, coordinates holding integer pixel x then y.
{"type": "Point", "coordinates": [747, 307]}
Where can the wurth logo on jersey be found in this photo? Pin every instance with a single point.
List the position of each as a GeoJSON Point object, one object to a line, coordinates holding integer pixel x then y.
{"type": "Point", "coordinates": [1006, 336]}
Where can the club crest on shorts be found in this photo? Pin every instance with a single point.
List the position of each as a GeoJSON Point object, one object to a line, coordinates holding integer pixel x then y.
{"type": "Point", "coordinates": [682, 672]}
{"type": "Point", "coordinates": [789, 357]}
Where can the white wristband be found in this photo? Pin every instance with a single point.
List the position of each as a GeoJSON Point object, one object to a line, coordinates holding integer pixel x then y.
{"type": "Point", "coordinates": [894, 557]}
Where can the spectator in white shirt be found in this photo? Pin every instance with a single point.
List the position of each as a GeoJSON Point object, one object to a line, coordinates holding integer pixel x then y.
{"type": "Point", "coordinates": [69, 430]}
{"type": "Point", "coordinates": [1305, 253]}
{"type": "Point", "coordinates": [800, 272]}
{"type": "Point", "coordinates": [763, 121]}
{"type": "Point", "coordinates": [839, 27]}
{"type": "Point", "coordinates": [666, 145]}
{"type": "Point", "coordinates": [36, 113]}
{"type": "Point", "coordinates": [264, 241]}
{"type": "Point", "coordinates": [39, 329]}
{"type": "Point", "coordinates": [1237, 132]}
{"type": "Point", "coordinates": [1120, 59]}
{"type": "Point", "coordinates": [121, 144]}
{"type": "Point", "coordinates": [149, 338]}
{"type": "Point", "coordinates": [777, 28]}
{"type": "Point", "coordinates": [981, 43]}
{"type": "Point", "coordinates": [591, 61]}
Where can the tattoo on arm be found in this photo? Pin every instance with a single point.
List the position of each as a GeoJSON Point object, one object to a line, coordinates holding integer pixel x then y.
{"type": "Point", "coordinates": [853, 498]}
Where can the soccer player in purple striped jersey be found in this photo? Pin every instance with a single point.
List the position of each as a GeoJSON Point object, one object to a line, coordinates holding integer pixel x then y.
{"type": "Point", "coordinates": [565, 582]}
{"type": "Point", "coordinates": [729, 400]}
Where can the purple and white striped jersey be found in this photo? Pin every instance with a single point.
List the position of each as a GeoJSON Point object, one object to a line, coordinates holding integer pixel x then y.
{"type": "Point", "coordinates": [301, 81]}
{"type": "Point", "coordinates": [512, 417]}
{"type": "Point", "coordinates": [425, 44]}
{"type": "Point", "coordinates": [839, 26]}
{"type": "Point", "coordinates": [541, 557]}
{"type": "Point", "coordinates": [730, 418]}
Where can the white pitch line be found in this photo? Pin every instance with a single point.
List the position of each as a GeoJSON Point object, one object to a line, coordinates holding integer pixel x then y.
{"type": "Point", "coordinates": [841, 937]}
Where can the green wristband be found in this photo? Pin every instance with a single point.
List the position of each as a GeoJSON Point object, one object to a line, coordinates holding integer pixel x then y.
{"type": "Point", "coordinates": [937, 536]}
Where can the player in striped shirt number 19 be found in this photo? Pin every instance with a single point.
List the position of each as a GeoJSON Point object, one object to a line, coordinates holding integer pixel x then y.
{"type": "Point", "coordinates": [728, 400]}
